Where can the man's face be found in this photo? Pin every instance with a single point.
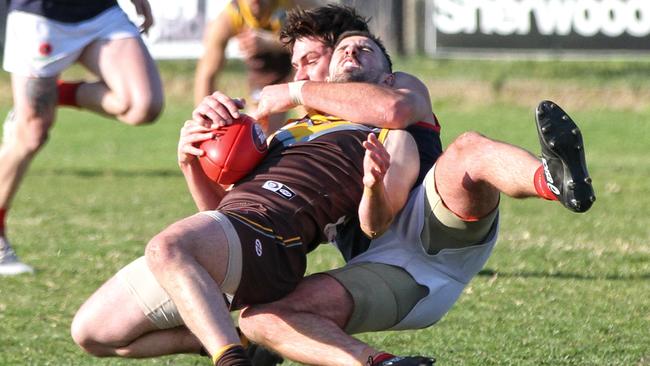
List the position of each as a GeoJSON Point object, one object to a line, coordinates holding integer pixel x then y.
{"type": "Point", "coordinates": [310, 59]}
{"type": "Point", "coordinates": [357, 58]}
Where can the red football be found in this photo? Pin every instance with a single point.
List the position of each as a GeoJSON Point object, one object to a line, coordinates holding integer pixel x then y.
{"type": "Point", "coordinates": [234, 151]}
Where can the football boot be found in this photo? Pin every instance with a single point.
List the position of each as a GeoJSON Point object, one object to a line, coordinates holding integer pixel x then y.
{"type": "Point", "coordinates": [406, 361]}
{"type": "Point", "coordinates": [10, 265]}
{"type": "Point", "coordinates": [563, 157]}
{"type": "Point", "coordinates": [261, 356]}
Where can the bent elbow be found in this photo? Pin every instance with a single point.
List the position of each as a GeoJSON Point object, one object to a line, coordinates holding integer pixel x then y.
{"type": "Point", "coordinates": [376, 230]}
{"type": "Point", "coordinates": [373, 234]}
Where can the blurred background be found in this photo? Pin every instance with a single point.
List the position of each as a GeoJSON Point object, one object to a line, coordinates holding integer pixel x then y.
{"type": "Point", "coordinates": [542, 28]}
{"type": "Point", "coordinates": [451, 27]}
{"type": "Point", "coordinates": [511, 51]}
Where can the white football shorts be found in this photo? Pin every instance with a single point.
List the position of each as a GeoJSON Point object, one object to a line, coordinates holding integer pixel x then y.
{"type": "Point", "coordinates": [39, 47]}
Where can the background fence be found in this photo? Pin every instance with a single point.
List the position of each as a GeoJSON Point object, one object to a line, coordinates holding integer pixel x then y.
{"type": "Point", "coordinates": [440, 27]}
{"type": "Point", "coordinates": [515, 26]}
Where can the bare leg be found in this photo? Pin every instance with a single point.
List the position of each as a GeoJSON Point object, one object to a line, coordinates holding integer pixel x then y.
{"type": "Point", "coordinates": [24, 135]}
{"type": "Point", "coordinates": [34, 111]}
{"type": "Point", "coordinates": [129, 88]}
{"type": "Point", "coordinates": [306, 326]}
{"type": "Point", "coordinates": [474, 169]}
{"type": "Point", "coordinates": [189, 260]}
{"type": "Point", "coordinates": [161, 343]}
{"type": "Point", "coordinates": [102, 331]}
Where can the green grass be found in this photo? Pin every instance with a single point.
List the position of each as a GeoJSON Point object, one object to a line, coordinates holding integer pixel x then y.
{"type": "Point", "coordinates": [560, 288]}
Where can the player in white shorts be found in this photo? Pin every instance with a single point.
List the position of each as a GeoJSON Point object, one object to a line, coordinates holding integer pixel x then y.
{"type": "Point", "coordinates": [42, 40]}
{"type": "Point", "coordinates": [410, 276]}
{"type": "Point", "coordinates": [427, 257]}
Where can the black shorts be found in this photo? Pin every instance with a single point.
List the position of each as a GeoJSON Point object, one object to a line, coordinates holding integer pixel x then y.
{"type": "Point", "coordinates": [272, 265]}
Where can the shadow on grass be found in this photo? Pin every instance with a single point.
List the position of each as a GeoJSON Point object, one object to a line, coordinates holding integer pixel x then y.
{"type": "Point", "coordinates": [91, 173]}
{"type": "Point", "coordinates": [563, 275]}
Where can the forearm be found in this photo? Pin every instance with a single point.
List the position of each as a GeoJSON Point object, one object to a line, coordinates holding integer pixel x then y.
{"type": "Point", "coordinates": [375, 211]}
{"type": "Point", "coordinates": [203, 86]}
{"type": "Point", "coordinates": [205, 79]}
{"type": "Point", "coordinates": [206, 194]}
{"type": "Point", "coordinates": [390, 167]}
{"type": "Point", "coordinates": [361, 103]}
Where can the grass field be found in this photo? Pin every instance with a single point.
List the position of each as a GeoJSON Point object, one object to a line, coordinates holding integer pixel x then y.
{"type": "Point", "coordinates": [560, 288]}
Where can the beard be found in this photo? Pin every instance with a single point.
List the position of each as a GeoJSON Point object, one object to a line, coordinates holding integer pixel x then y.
{"type": "Point", "coordinates": [356, 75]}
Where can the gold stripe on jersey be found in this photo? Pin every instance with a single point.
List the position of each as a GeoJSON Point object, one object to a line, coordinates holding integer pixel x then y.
{"type": "Point", "coordinates": [315, 125]}
{"type": "Point", "coordinates": [266, 231]}
{"type": "Point", "coordinates": [383, 135]}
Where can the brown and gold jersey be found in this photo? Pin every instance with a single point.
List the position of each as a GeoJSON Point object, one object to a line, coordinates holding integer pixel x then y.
{"type": "Point", "coordinates": [309, 183]}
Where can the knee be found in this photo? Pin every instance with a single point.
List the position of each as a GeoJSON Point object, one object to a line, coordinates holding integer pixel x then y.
{"type": "Point", "coordinates": [142, 110]}
{"type": "Point", "coordinates": [32, 135]}
{"type": "Point", "coordinates": [82, 335]}
{"type": "Point", "coordinates": [147, 111]}
{"type": "Point", "coordinates": [470, 146]}
{"type": "Point", "coordinates": [162, 252]}
{"type": "Point", "coordinates": [467, 141]}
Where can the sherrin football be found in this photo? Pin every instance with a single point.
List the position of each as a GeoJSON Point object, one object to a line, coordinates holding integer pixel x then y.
{"type": "Point", "coordinates": [234, 150]}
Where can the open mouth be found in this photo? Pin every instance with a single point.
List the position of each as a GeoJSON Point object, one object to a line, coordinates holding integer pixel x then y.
{"type": "Point", "coordinates": [349, 63]}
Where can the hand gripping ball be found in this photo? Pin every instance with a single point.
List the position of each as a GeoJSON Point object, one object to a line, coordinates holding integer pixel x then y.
{"type": "Point", "coordinates": [234, 150]}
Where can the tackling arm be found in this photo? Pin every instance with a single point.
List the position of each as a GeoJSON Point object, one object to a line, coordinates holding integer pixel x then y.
{"type": "Point", "coordinates": [389, 174]}
{"type": "Point", "coordinates": [396, 106]}
{"type": "Point", "coordinates": [403, 103]}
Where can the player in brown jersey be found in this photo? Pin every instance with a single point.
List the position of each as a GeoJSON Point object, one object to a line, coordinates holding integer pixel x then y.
{"type": "Point", "coordinates": [253, 246]}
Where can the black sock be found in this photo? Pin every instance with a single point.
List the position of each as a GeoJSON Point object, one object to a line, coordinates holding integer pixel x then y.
{"type": "Point", "coordinates": [234, 356]}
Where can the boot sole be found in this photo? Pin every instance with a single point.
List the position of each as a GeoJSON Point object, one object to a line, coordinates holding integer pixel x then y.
{"type": "Point", "coordinates": [561, 138]}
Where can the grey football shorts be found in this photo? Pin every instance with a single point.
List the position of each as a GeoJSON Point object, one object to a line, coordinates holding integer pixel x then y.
{"type": "Point", "coordinates": [384, 294]}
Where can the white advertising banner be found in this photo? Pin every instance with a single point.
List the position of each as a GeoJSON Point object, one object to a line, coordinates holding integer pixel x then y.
{"type": "Point", "coordinates": [598, 25]}
{"type": "Point", "coordinates": [178, 28]}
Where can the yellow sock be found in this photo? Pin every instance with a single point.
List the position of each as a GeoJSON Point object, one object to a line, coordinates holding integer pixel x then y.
{"type": "Point", "coordinates": [223, 350]}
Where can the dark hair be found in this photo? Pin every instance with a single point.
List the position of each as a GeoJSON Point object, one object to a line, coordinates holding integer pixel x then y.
{"type": "Point", "coordinates": [388, 62]}
{"type": "Point", "coordinates": [326, 23]}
